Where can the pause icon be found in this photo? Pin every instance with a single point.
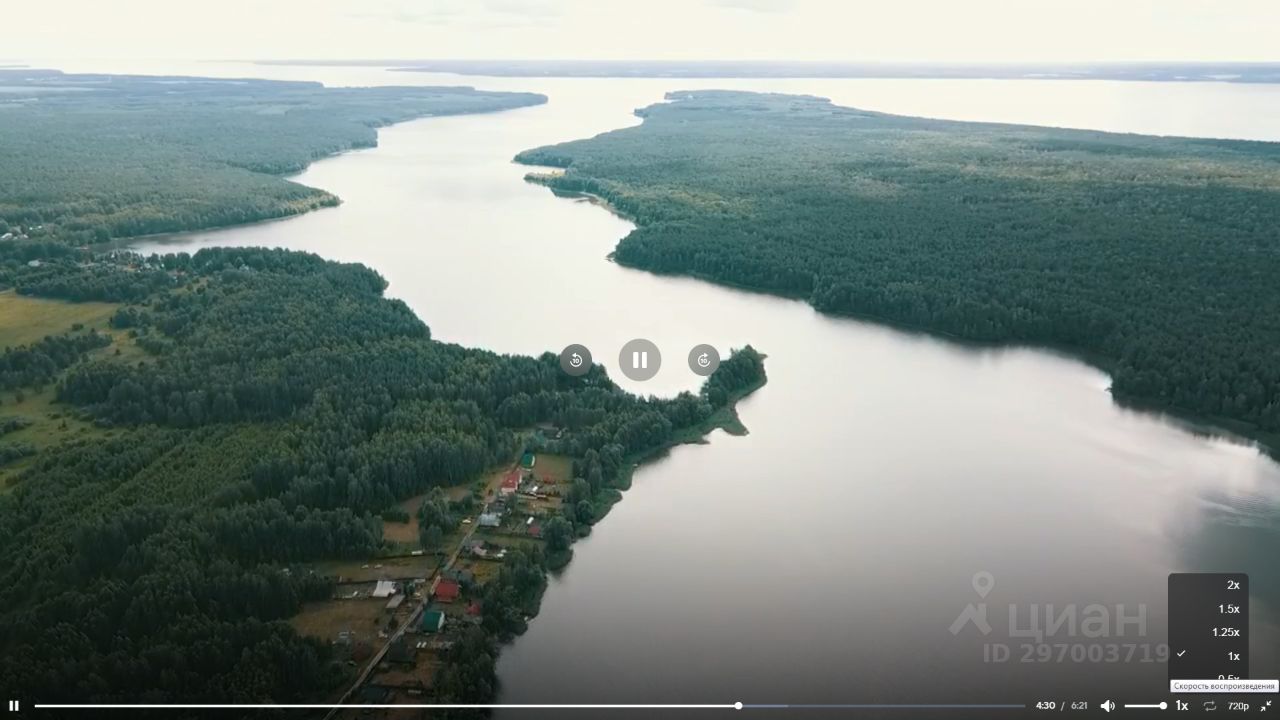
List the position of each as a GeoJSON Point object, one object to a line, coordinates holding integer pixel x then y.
{"type": "Point", "coordinates": [639, 359]}
{"type": "Point", "coordinates": [13, 706]}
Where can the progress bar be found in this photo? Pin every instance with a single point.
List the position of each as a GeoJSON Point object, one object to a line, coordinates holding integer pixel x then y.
{"type": "Point", "coordinates": [608, 706]}
{"type": "Point", "coordinates": [885, 706]}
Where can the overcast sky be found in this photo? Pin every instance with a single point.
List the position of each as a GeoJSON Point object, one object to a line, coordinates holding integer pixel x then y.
{"type": "Point", "coordinates": [890, 30]}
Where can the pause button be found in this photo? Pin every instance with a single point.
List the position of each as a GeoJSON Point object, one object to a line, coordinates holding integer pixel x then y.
{"type": "Point", "coordinates": [640, 359]}
{"type": "Point", "coordinates": [13, 706]}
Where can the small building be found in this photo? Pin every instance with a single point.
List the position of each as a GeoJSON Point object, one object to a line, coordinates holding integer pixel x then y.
{"type": "Point", "coordinates": [432, 621]}
{"type": "Point", "coordinates": [528, 460]}
{"type": "Point", "coordinates": [474, 608]}
{"type": "Point", "coordinates": [490, 520]}
{"type": "Point", "coordinates": [535, 530]}
{"type": "Point", "coordinates": [510, 483]}
{"type": "Point", "coordinates": [342, 645]}
{"type": "Point", "coordinates": [447, 590]}
{"type": "Point", "coordinates": [34, 264]}
{"type": "Point", "coordinates": [384, 588]}
{"type": "Point", "coordinates": [395, 602]}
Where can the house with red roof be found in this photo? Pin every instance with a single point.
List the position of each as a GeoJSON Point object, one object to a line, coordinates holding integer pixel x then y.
{"type": "Point", "coordinates": [447, 591]}
{"type": "Point", "coordinates": [510, 483]}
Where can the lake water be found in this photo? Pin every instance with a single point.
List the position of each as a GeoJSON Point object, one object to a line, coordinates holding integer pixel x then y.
{"type": "Point", "coordinates": [824, 557]}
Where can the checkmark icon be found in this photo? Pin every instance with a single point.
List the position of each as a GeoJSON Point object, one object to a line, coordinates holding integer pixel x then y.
{"type": "Point", "coordinates": [1180, 654]}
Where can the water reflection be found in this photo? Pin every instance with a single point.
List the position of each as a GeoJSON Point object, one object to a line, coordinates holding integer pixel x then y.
{"type": "Point", "coordinates": [823, 557]}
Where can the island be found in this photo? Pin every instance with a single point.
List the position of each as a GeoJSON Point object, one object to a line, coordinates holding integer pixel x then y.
{"type": "Point", "coordinates": [1153, 257]}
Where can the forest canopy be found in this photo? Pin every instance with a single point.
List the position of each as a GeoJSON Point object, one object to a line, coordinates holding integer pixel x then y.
{"type": "Point", "coordinates": [1156, 256]}
{"type": "Point", "coordinates": [270, 406]}
{"type": "Point", "coordinates": [89, 158]}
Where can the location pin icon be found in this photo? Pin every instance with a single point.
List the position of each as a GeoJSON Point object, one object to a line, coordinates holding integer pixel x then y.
{"type": "Point", "coordinates": [983, 582]}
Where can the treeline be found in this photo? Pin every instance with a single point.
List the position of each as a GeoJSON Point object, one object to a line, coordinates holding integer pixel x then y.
{"type": "Point", "coordinates": [10, 451]}
{"type": "Point", "coordinates": [1156, 255]}
{"type": "Point", "coordinates": [13, 423]}
{"type": "Point", "coordinates": [88, 158]}
{"type": "Point", "coordinates": [37, 364]}
{"type": "Point", "coordinates": [282, 405]}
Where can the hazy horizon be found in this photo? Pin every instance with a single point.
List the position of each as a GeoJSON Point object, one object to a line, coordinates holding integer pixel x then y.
{"type": "Point", "coordinates": [910, 31]}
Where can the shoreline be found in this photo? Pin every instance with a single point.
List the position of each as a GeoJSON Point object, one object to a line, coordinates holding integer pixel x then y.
{"type": "Point", "coordinates": [1195, 423]}
{"type": "Point", "coordinates": [726, 419]}
{"type": "Point", "coordinates": [324, 200]}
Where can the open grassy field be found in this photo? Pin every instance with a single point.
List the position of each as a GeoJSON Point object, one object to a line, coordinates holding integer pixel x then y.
{"type": "Point", "coordinates": [553, 468]}
{"type": "Point", "coordinates": [401, 568]}
{"type": "Point", "coordinates": [50, 423]}
{"type": "Point", "coordinates": [324, 620]}
{"type": "Point", "coordinates": [405, 532]}
{"type": "Point", "coordinates": [483, 570]}
{"type": "Point", "coordinates": [24, 320]}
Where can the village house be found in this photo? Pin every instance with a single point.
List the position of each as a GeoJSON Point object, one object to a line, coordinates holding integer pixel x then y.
{"type": "Point", "coordinates": [432, 621]}
{"type": "Point", "coordinates": [510, 483]}
{"type": "Point", "coordinates": [447, 590]}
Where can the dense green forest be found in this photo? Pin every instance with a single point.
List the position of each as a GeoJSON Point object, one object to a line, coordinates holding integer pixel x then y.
{"type": "Point", "coordinates": [271, 406]}
{"type": "Point", "coordinates": [88, 158]}
{"type": "Point", "coordinates": [1158, 257]}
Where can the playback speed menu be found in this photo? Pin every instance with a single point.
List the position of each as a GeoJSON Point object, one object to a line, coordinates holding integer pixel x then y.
{"type": "Point", "coordinates": [1208, 626]}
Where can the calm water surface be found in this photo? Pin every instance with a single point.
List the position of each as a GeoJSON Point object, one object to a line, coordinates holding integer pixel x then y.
{"type": "Point", "coordinates": [824, 557]}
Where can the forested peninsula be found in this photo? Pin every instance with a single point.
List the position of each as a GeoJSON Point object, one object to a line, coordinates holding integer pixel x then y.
{"type": "Point", "coordinates": [1155, 257]}
{"type": "Point", "coordinates": [241, 414]}
{"type": "Point", "coordinates": [212, 465]}
{"type": "Point", "coordinates": [90, 158]}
